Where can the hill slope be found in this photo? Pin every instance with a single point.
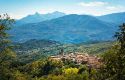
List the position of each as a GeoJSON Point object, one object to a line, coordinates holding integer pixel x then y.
{"type": "Point", "coordinates": [35, 49]}
{"type": "Point", "coordinates": [68, 29]}
{"type": "Point", "coordinates": [117, 18]}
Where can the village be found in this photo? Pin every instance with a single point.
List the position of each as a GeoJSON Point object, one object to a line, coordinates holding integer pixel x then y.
{"type": "Point", "coordinates": [79, 58]}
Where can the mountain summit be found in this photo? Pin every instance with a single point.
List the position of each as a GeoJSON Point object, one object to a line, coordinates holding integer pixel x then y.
{"type": "Point", "coordinates": [37, 17]}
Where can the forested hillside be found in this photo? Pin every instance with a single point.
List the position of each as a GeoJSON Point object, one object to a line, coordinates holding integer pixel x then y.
{"type": "Point", "coordinates": [35, 49]}
{"type": "Point", "coordinates": [71, 28]}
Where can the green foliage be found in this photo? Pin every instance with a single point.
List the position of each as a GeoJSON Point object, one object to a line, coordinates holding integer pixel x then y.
{"type": "Point", "coordinates": [6, 53]}
{"type": "Point", "coordinates": [43, 67]}
{"type": "Point", "coordinates": [114, 59]}
{"type": "Point", "coordinates": [70, 71]}
{"type": "Point", "coordinates": [5, 45]}
{"type": "Point", "coordinates": [36, 49]}
{"type": "Point", "coordinates": [17, 75]}
{"type": "Point", "coordinates": [46, 69]}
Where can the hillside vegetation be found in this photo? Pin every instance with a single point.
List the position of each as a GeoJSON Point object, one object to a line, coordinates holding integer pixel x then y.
{"type": "Point", "coordinates": [71, 28]}
{"type": "Point", "coordinates": [35, 49]}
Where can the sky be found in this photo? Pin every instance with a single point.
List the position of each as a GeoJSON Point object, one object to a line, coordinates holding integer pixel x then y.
{"type": "Point", "coordinates": [20, 8]}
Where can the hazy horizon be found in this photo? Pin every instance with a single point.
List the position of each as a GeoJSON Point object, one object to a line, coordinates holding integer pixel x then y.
{"type": "Point", "coordinates": [66, 14]}
{"type": "Point", "coordinates": [18, 9]}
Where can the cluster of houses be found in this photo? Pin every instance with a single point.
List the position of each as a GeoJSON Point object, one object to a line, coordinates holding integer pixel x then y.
{"type": "Point", "coordinates": [79, 58]}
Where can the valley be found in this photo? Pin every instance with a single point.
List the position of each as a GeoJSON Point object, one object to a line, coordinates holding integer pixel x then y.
{"type": "Point", "coordinates": [35, 49]}
{"type": "Point", "coordinates": [60, 46]}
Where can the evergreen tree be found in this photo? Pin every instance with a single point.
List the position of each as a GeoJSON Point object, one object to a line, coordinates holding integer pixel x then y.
{"type": "Point", "coordinates": [121, 53]}
{"type": "Point", "coordinates": [6, 53]}
{"type": "Point", "coordinates": [114, 59]}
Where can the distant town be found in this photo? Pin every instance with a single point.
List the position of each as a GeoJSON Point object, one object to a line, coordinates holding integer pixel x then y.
{"type": "Point", "coordinates": [79, 58]}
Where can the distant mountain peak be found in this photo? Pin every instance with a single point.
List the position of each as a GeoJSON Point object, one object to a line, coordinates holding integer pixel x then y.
{"type": "Point", "coordinates": [37, 13]}
{"type": "Point", "coordinates": [37, 17]}
{"type": "Point", "coordinates": [56, 13]}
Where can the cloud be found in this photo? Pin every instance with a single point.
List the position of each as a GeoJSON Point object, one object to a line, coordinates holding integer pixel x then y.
{"type": "Point", "coordinates": [93, 4]}
{"type": "Point", "coordinates": [99, 8]}
{"type": "Point", "coordinates": [115, 8]}
{"type": "Point", "coordinates": [111, 7]}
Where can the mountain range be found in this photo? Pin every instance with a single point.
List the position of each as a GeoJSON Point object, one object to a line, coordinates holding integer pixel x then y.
{"type": "Point", "coordinates": [72, 28]}
{"type": "Point", "coordinates": [37, 17]}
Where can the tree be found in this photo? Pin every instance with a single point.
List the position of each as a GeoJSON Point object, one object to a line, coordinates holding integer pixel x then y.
{"type": "Point", "coordinates": [6, 53]}
{"type": "Point", "coordinates": [17, 75]}
{"type": "Point", "coordinates": [120, 36]}
{"type": "Point", "coordinates": [114, 59]}
{"type": "Point", "coordinates": [70, 71]}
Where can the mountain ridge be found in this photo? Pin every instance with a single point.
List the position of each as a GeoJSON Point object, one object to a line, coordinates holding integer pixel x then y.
{"type": "Point", "coordinates": [68, 29]}
{"type": "Point", "coordinates": [37, 17]}
{"type": "Point", "coordinates": [116, 18]}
